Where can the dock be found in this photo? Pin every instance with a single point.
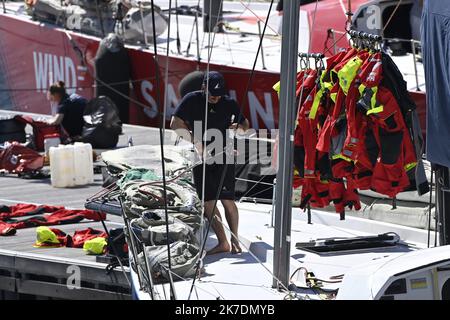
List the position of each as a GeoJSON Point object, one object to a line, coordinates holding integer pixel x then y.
{"type": "Point", "coordinates": [27, 272]}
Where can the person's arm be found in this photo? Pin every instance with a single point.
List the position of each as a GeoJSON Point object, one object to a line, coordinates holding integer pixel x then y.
{"type": "Point", "coordinates": [182, 130]}
{"type": "Point", "coordinates": [244, 126]}
{"type": "Point", "coordinates": [241, 122]}
{"type": "Point", "coordinates": [57, 119]}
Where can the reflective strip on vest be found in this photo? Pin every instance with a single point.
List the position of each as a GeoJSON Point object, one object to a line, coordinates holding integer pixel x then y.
{"type": "Point", "coordinates": [315, 106]}
{"type": "Point", "coordinates": [410, 166]}
{"type": "Point", "coordinates": [375, 107]}
{"type": "Point", "coordinates": [333, 97]}
{"type": "Point", "coordinates": [341, 156]}
{"type": "Point", "coordinates": [348, 73]}
{"type": "Point", "coordinates": [323, 87]}
{"type": "Point", "coordinates": [276, 87]}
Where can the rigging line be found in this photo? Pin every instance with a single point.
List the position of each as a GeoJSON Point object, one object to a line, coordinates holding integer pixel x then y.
{"type": "Point", "coordinates": [194, 24]}
{"type": "Point", "coordinates": [391, 16]}
{"type": "Point", "coordinates": [255, 184]}
{"type": "Point", "coordinates": [313, 25]}
{"type": "Point", "coordinates": [255, 257]}
{"type": "Point", "coordinates": [186, 280]}
{"type": "Point", "coordinates": [203, 155]}
{"type": "Point", "coordinates": [202, 232]}
{"type": "Point", "coordinates": [437, 190]}
{"type": "Point", "coordinates": [100, 17]}
{"type": "Point", "coordinates": [342, 5]}
{"type": "Point", "coordinates": [205, 235]}
{"type": "Point", "coordinates": [133, 248]}
{"type": "Point", "coordinates": [161, 139]}
{"type": "Point", "coordinates": [429, 210]}
{"type": "Point", "coordinates": [309, 51]}
{"type": "Point", "coordinates": [256, 60]}
{"type": "Point", "coordinates": [327, 49]}
{"type": "Point", "coordinates": [256, 16]}
{"type": "Point", "coordinates": [103, 192]}
{"type": "Point", "coordinates": [210, 49]}
{"type": "Point", "coordinates": [224, 170]}
{"type": "Point", "coordinates": [214, 36]}
{"type": "Point", "coordinates": [172, 73]}
{"type": "Point", "coordinates": [218, 292]}
{"type": "Point", "coordinates": [148, 271]}
{"type": "Point", "coordinates": [113, 246]}
{"type": "Point", "coordinates": [348, 25]}
{"type": "Point", "coordinates": [259, 192]}
{"type": "Point", "coordinates": [243, 11]}
{"type": "Point", "coordinates": [166, 77]}
{"type": "Point", "coordinates": [178, 28]}
{"type": "Point", "coordinates": [255, 181]}
{"type": "Point", "coordinates": [92, 85]}
{"type": "Point", "coordinates": [138, 103]}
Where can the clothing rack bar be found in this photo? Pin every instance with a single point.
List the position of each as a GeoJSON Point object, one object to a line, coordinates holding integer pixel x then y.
{"type": "Point", "coordinates": [311, 55]}
{"type": "Point", "coordinates": [364, 35]}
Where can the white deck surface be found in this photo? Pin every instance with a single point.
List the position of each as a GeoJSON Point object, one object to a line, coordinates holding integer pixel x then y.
{"type": "Point", "coordinates": [243, 277]}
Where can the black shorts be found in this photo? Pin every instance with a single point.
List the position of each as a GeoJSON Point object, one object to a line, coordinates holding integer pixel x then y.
{"type": "Point", "coordinates": [213, 174]}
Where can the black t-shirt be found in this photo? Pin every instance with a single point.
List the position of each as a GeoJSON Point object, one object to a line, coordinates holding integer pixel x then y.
{"type": "Point", "coordinates": [220, 115]}
{"type": "Point", "coordinates": [72, 107]}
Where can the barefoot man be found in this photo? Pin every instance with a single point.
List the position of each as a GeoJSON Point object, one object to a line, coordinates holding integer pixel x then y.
{"type": "Point", "coordinates": [222, 112]}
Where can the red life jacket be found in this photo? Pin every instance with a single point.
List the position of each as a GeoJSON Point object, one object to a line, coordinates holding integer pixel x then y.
{"type": "Point", "coordinates": [42, 216]}
{"type": "Point", "coordinates": [80, 237]}
{"type": "Point", "coordinates": [19, 159]}
{"type": "Point", "coordinates": [76, 240]}
{"type": "Point", "coordinates": [40, 130]}
{"type": "Point", "coordinates": [397, 154]}
{"type": "Point", "coordinates": [305, 83]}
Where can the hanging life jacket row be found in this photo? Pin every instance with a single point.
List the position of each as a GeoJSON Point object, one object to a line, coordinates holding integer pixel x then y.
{"type": "Point", "coordinates": [356, 128]}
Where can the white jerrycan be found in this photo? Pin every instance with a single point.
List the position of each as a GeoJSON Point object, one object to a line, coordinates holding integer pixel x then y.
{"type": "Point", "coordinates": [62, 167]}
{"type": "Point", "coordinates": [84, 164]}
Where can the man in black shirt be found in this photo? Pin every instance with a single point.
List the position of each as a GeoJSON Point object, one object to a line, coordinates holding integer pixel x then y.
{"type": "Point", "coordinates": [189, 121]}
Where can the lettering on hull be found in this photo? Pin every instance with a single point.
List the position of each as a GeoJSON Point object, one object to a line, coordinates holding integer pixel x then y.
{"type": "Point", "coordinates": [258, 109]}
{"type": "Point", "coordinates": [49, 68]}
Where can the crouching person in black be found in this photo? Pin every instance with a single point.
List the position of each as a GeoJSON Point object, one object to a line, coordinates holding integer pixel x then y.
{"type": "Point", "coordinates": [70, 110]}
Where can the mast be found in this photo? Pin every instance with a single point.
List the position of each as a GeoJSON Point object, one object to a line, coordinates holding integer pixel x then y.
{"type": "Point", "coordinates": [288, 80]}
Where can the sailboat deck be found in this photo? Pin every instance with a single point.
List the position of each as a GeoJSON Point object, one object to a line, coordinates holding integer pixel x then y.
{"type": "Point", "coordinates": [226, 276]}
{"type": "Point", "coordinates": [246, 276]}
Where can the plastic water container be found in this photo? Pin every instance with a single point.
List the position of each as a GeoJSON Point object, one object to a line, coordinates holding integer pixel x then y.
{"type": "Point", "coordinates": [51, 140]}
{"type": "Point", "coordinates": [71, 165]}
{"type": "Point", "coordinates": [62, 168]}
{"type": "Point", "coordinates": [84, 164]}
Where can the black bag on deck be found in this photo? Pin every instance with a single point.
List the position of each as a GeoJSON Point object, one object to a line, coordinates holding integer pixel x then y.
{"type": "Point", "coordinates": [102, 125]}
{"type": "Point", "coordinates": [12, 130]}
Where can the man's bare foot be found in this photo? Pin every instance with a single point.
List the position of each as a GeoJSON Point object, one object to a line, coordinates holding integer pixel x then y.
{"type": "Point", "coordinates": [235, 247]}
{"type": "Point", "coordinates": [219, 249]}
